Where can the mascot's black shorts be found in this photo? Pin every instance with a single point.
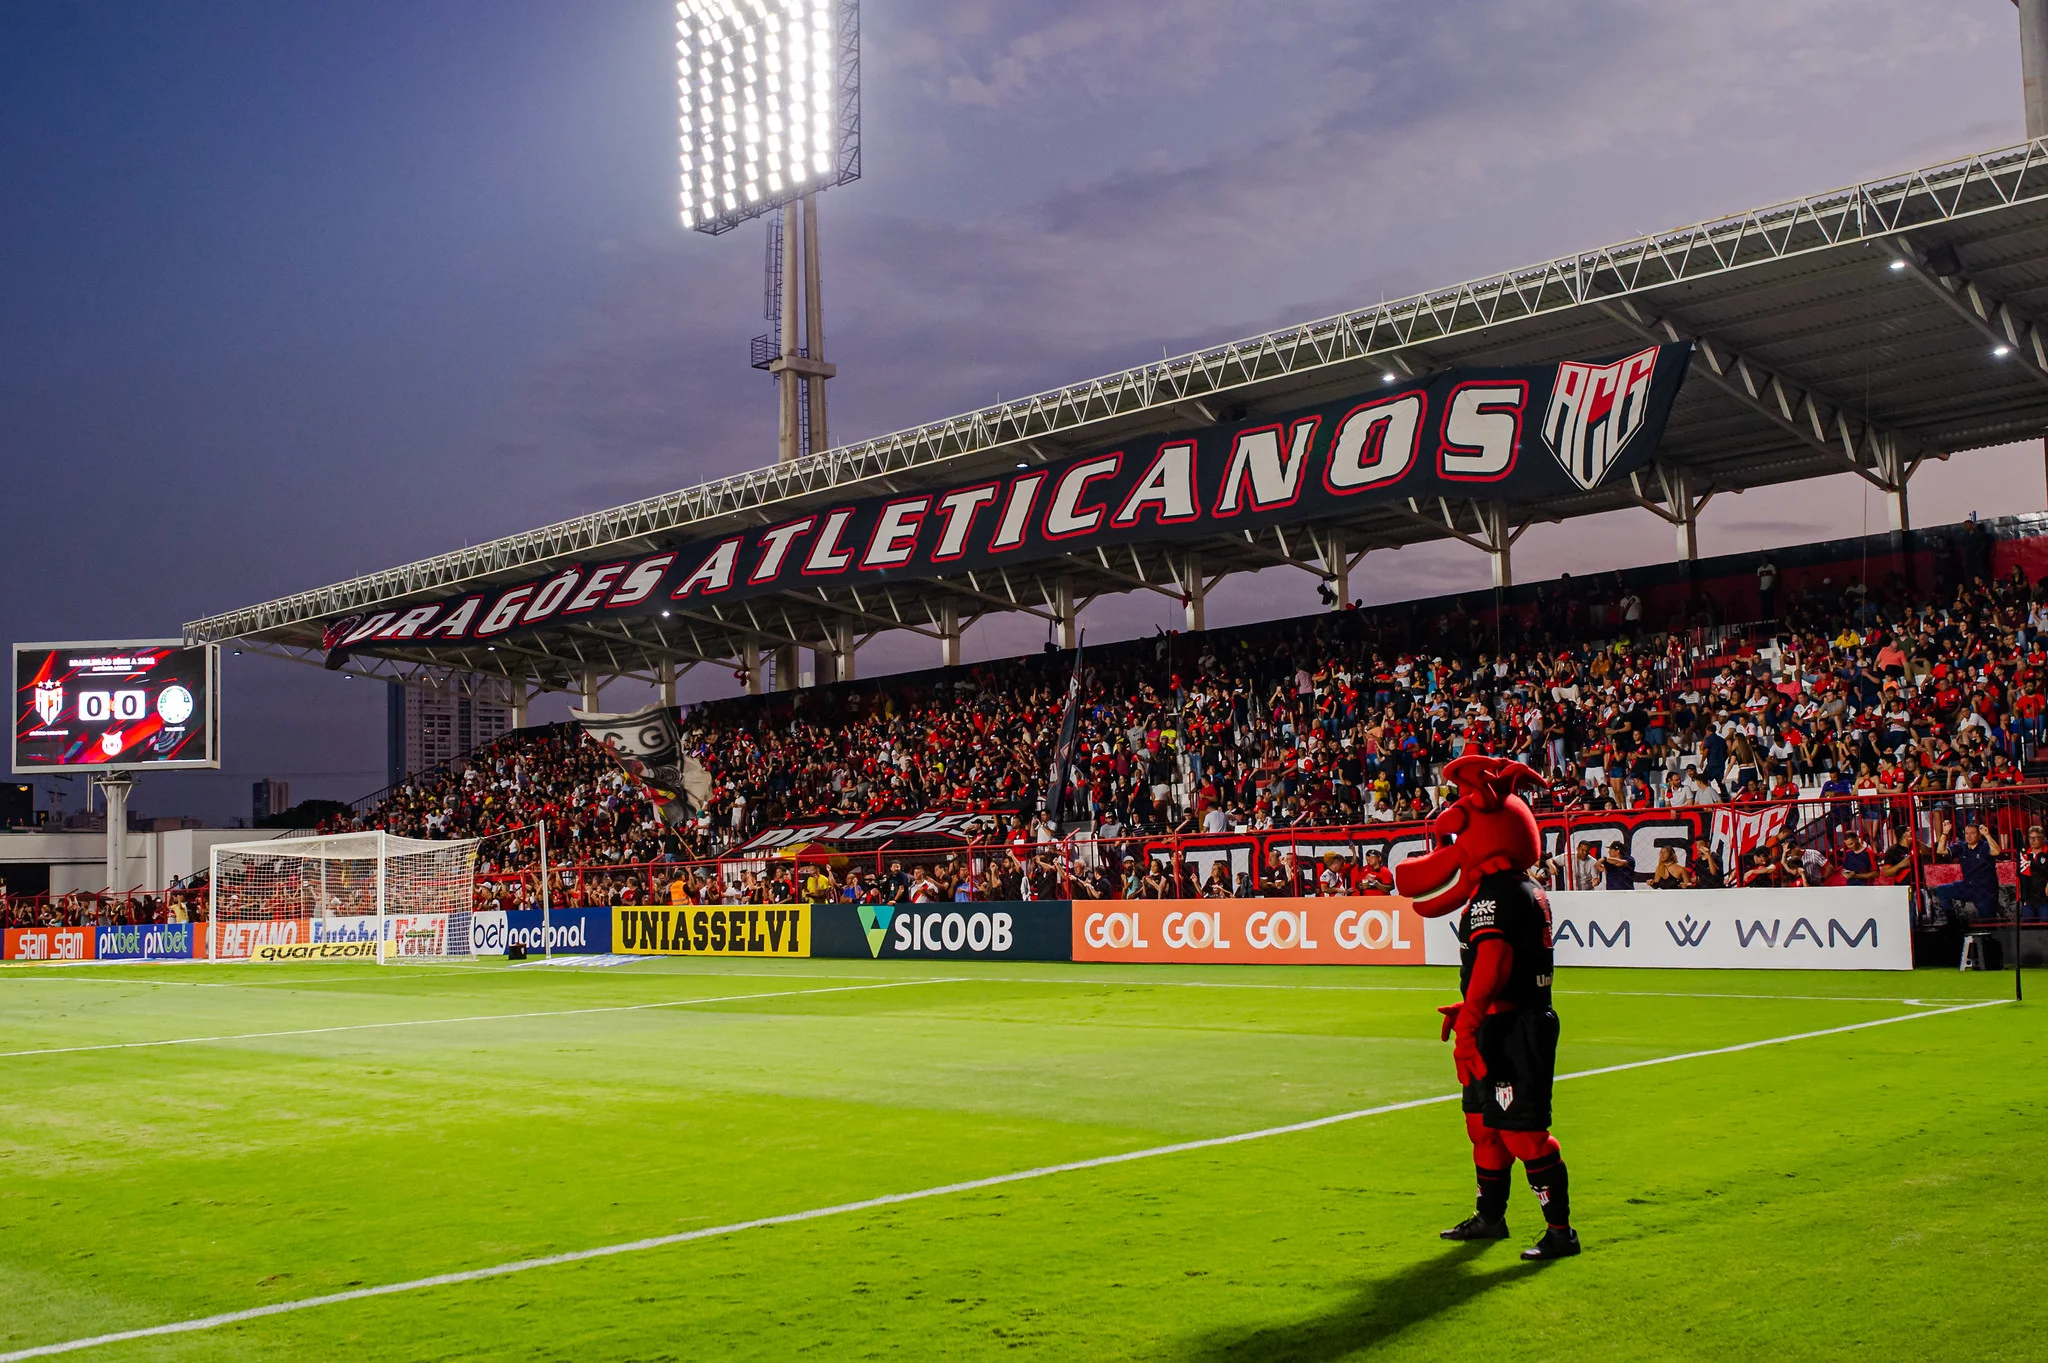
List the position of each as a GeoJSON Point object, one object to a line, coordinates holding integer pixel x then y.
{"type": "Point", "coordinates": [1520, 1050]}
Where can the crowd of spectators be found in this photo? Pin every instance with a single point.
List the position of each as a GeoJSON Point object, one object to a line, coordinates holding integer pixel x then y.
{"type": "Point", "coordinates": [1904, 711]}
{"type": "Point", "coordinates": [1343, 719]}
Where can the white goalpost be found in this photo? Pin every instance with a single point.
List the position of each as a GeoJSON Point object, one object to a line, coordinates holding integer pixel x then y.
{"type": "Point", "coordinates": [341, 896]}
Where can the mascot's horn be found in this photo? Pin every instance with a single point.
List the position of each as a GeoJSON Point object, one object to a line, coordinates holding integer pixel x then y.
{"type": "Point", "coordinates": [1488, 781]}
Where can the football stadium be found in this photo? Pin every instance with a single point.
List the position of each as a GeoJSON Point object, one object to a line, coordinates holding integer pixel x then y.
{"type": "Point", "coordinates": [1626, 963]}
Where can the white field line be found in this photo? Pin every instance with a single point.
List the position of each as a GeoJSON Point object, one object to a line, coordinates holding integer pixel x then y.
{"type": "Point", "coordinates": [479, 1017]}
{"type": "Point", "coordinates": [893, 1199]}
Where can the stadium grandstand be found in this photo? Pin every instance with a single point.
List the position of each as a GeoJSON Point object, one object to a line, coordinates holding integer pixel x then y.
{"type": "Point", "coordinates": [1851, 710]}
{"type": "Point", "coordinates": [1904, 666]}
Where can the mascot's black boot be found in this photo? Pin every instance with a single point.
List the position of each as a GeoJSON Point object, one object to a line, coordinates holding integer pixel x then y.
{"type": "Point", "coordinates": [1555, 1244]}
{"type": "Point", "coordinates": [1479, 1228]}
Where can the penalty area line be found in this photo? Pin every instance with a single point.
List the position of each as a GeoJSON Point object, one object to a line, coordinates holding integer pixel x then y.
{"type": "Point", "coordinates": [478, 1017]}
{"type": "Point", "coordinates": [473, 1275]}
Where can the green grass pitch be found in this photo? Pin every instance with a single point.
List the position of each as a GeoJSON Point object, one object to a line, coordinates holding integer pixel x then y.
{"type": "Point", "coordinates": [1868, 1193]}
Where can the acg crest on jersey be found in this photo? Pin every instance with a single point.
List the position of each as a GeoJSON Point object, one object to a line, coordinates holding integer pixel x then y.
{"type": "Point", "coordinates": [1595, 411]}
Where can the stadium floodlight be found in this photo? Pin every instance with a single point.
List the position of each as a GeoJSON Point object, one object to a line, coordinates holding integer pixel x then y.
{"type": "Point", "coordinates": [770, 104]}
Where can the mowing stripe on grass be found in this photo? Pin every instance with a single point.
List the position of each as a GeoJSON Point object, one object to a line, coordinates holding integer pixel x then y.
{"type": "Point", "coordinates": [893, 1199]}
{"type": "Point", "coordinates": [479, 1017]}
{"type": "Point", "coordinates": [1077, 982]}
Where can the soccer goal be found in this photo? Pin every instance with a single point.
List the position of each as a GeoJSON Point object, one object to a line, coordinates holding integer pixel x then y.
{"type": "Point", "coordinates": [342, 896]}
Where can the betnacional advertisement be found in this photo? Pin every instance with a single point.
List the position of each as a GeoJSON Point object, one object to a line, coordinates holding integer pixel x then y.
{"type": "Point", "coordinates": [1376, 930]}
{"type": "Point", "coordinates": [119, 705]}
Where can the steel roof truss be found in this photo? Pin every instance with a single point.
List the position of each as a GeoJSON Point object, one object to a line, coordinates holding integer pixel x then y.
{"type": "Point", "coordinates": [1795, 410]}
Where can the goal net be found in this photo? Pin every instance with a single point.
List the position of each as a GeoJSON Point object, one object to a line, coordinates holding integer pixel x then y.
{"type": "Point", "coordinates": [343, 896]}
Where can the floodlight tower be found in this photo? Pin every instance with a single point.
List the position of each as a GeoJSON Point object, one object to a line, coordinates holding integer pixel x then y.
{"type": "Point", "coordinates": [771, 115]}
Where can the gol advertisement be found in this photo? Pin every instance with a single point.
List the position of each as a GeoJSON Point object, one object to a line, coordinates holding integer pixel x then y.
{"type": "Point", "coordinates": [1382, 930]}
{"type": "Point", "coordinates": [713, 930]}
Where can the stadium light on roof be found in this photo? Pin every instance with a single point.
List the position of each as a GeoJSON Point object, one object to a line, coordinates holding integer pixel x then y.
{"type": "Point", "coordinates": [770, 104]}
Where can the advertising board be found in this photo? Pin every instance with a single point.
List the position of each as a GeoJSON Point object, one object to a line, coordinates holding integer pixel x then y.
{"type": "Point", "coordinates": [1379, 930]}
{"type": "Point", "coordinates": [1041, 930]}
{"type": "Point", "coordinates": [120, 705]}
{"type": "Point", "coordinates": [487, 932]}
{"type": "Point", "coordinates": [48, 944]}
{"type": "Point", "coordinates": [574, 932]}
{"type": "Point", "coordinates": [232, 940]}
{"type": "Point", "coordinates": [144, 941]}
{"type": "Point", "coordinates": [1847, 927]}
{"type": "Point", "coordinates": [272, 952]}
{"type": "Point", "coordinates": [712, 930]}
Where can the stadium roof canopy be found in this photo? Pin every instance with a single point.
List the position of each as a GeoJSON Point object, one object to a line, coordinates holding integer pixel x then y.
{"type": "Point", "coordinates": [1862, 330]}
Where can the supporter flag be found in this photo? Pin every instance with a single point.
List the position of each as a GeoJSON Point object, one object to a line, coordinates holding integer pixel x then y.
{"type": "Point", "coordinates": [1063, 755]}
{"type": "Point", "coordinates": [648, 745]}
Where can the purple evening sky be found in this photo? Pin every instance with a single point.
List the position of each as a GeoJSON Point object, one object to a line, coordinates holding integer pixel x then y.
{"type": "Point", "coordinates": [294, 292]}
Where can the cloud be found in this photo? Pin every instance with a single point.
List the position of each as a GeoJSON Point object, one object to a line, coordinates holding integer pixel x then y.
{"type": "Point", "coordinates": [1329, 157]}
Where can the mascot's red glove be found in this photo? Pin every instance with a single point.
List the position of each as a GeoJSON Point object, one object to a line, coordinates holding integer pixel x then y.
{"type": "Point", "coordinates": [1465, 1055]}
{"type": "Point", "coordinates": [1491, 960]}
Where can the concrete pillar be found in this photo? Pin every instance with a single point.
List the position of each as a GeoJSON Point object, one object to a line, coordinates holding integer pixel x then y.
{"type": "Point", "coordinates": [750, 663]}
{"type": "Point", "coordinates": [519, 700]}
{"type": "Point", "coordinates": [115, 789]}
{"type": "Point", "coordinates": [1502, 551]}
{"type": "Point", "coordinates": [844, 646]}
{"type": "Point", "coordinates": [665, 680]}
{"type": "Point", "coordinates": [593, 693]}
{"type": "Point", "coordinates": [1063, 612]}
{"type": "Point", "coordinates": [1688, 524]}
{"type": "Point", "coordinates": [1194, 594]}
{"type": "Point", "coordinates": [1337, 563]}
{"type": "Point", "coordinates": [2034, 65]}
{"type": "Point", "coordinates": [949, 635]}
{"type": "Point", "coordinates": [785, 668]}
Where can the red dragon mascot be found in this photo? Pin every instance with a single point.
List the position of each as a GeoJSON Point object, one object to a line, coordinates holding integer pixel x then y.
{"type": "Point", "coordinates": [1504, 1029]}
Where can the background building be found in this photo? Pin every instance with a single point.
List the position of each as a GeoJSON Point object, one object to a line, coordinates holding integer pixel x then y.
{"type": "Point", "coordinates": [428, 726]}
{"type": "Point", "coordinates": [268, 797]}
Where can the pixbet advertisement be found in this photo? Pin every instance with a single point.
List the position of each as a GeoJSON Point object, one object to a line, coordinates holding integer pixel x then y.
{"type": "Point", "coordinates": [144, 941]}
{"type": "Point", "coordinates": [116, 706]}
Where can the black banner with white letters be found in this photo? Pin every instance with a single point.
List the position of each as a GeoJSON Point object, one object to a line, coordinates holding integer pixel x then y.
{"type": "Point", "coordinates": [1520, 435]}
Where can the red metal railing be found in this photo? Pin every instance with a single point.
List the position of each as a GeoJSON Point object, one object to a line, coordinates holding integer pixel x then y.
{"type": "Point", "coordinates": [1904, 839]}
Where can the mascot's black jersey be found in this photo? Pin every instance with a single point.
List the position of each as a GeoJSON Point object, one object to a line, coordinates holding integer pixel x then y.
{"type": "Point", "coordinates": [1510, 906]}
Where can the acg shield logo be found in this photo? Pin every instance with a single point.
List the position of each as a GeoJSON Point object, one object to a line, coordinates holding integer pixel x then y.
{"type": "Point", "coordinates": [1595, 411]}
{"type": "Point", "coordinates": [49, 701]}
